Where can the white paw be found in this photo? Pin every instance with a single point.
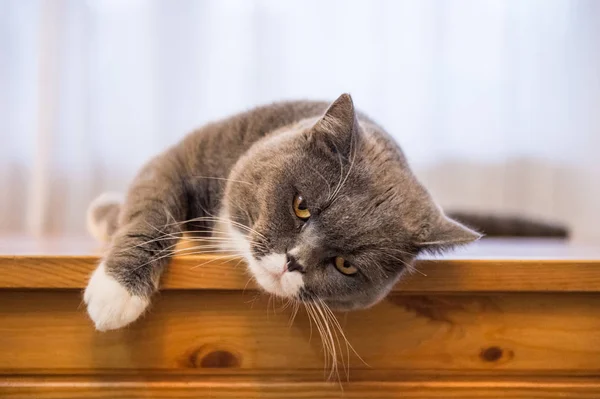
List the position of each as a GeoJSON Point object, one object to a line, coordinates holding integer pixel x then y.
{"type": "Point", "coordinates": [109, 304]}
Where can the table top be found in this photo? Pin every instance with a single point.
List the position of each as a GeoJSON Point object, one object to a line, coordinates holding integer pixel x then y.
{"type": "Point", "coordinates": [490, 265]}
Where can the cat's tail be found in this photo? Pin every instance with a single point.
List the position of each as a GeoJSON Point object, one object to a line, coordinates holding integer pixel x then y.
{"type": "Point", "coordinates": [103, 216]}
{"type": "Point", "coordinates": [495, 225]}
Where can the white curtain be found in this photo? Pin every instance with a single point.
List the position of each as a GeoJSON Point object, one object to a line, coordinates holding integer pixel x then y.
{"type": "Point", "coordinates": [496, 102]}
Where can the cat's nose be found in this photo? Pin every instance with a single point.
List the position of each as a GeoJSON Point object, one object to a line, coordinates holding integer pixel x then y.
{"type": "Point", "coordinates": [293, 265]}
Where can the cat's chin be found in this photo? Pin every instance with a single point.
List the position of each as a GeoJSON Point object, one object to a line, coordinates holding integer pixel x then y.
{"type": "Point", "coordinates": [348, 304]}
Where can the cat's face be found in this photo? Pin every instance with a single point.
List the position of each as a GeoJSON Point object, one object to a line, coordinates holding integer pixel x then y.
{"type": "Point", "coordinates": [333, 212]}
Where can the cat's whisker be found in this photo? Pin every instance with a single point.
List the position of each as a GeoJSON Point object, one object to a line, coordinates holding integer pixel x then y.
{"type": "Point", "coordinates": [296, 305]}
{"type": "Point", "coordinates": [331, 198]}
{"type": "Point", "coordinates": [227, 220]}
{"type": "Point", "coordinates": [414, 269]}
{"type": "Point", "coordinates": [217, 219]}
{"type": "Point", "coordinates": [207, 238]}
{"type": "Point", "coordinates": [169, 214]}
{"type": "Point", "coordinates": [275, 304]}
{"type": "Point", "coordinates": [269, 304]}
{"type": "Point", "coordinates": [253, 300]}
{"type": "Point", "coordinates": [155, 258]}
{"type": "Point", "coordinates": [174, 235]}
{"type": "Point", "coordinates": [328, 316]}
{"type": "Point", "coordinates": [227, 240]}
{"type": "Point", "coordinates": [326, 339]}
{"type": "Point", "coordinates": [156, 228]}
{"type": "Point", "coordinates": [341, 184]}
{"type": "Point", "coordinates": [196, 219]}
{"type": "Point", "coordinates": [213, 252]}
{"type": "Point", "coordinates": [238, 263]}
{"type": "Point", "coordinates": [233, 222]}
{"type": "Point", "coordinates": [188, 235]}
{"type": "Point", "coordinates": [231, 201]}
{"type": "Point", "coordinates": [289, 303]}
{"type": "Point", "coordinates": [216, 259]}
{"type": "Point", "coordinates": [169, 249]}
{"type": "Point", "coordinates": [339, 326]}
{"type": "Point", "coordinates": [247, 282]}
{"type": "Point", "coordinates": [331, 317]}
{"type": "Point", "coordinates": [194, 250]}
{"type": "Point", "coordinates": [248, 229]}
{"type": "Point", "coordinates": [174, 252]}
{"type": "Point", "coordinates": [311, 313]}
{"type": "Point", "coordinates": [461, 241]}
{"type": "Point", "coordinates": [128, 249]}
{"type": "Point", "coordinates": [177, 236]}
{"type": "Point", "coordinates": [398, 250]}
{"type": "Point", "coordinates": [325, 180]}
{"type": "Point", "coordinates": [284, 306]}
{"type": "Point", "coordinates": [409, 267]}
{"type": "Point", "coordinates": [329, 335]}
{"type": "Point", "coordinates": [164, 237]}
{"type": "Point", "coordinates": [320, 330]}
{"type": "Point", "coordinates": [194, 239]}
{"type": "Point", "coordinates": [343, 181]}
{"type": "Point", "coordinates": [220, 178]}
{"type": "Point", "coordinates": [210, 234]}
{"type": "Point", "coordinates": [309, 321]}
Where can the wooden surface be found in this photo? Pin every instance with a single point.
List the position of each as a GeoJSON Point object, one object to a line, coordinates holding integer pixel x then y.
{"type": "Point", "coordinates": [487, 266]}
{"type": "Point", "coordinates": [517, 320]}
{"type": "Point", "coordinates": [518, 332]}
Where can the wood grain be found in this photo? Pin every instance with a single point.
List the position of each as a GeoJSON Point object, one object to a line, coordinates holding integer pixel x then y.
{"type": "Point", "coordinates": [502, 319]}
{"type": "Point", "coordinates": [202, 330]}
{"type": "Point", "coordinates": [263, 387]}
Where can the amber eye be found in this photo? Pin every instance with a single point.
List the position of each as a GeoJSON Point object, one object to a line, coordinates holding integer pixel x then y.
{"type": "Point", "coordinates": [301, 207]}
{"type": "Point", "coordinates": [344, 266]}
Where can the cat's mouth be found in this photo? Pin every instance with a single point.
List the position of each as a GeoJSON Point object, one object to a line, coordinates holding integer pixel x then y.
{"type": "Point", "coordinates": [272, 275]}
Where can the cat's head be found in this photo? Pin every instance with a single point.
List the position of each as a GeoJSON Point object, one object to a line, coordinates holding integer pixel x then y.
{"type": "Point", "coordinates": [333, 211]}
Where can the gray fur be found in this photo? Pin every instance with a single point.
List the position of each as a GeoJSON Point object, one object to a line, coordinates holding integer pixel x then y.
{"type": "Point", "coordinates": [366, 204]}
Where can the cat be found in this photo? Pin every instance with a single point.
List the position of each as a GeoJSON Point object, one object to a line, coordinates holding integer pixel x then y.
{"type": "Point", "coordinates": [317, 198]}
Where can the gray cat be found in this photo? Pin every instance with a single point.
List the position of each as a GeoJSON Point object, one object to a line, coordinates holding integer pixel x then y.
{"type": "Point", "coordinates": [318, 200]}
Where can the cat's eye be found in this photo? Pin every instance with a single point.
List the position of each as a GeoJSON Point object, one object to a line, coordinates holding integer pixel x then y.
{"type": "Point", "coordinates": [344, 266]}
{"type": "Point", "coordinates": [301, 207]}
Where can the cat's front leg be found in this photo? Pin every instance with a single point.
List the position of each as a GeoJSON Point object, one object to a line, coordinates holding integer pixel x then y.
{"type": "Point", "coordinates": [149, 224]}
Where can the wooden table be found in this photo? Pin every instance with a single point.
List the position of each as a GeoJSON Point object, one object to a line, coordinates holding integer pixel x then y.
{"type": "Point", "coordinates": [516, 319]}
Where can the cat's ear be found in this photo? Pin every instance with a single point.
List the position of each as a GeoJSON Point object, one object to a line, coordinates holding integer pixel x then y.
{"type": "Point", "coordinates": [445, 233]}
{"type": "Point", "coordinates": [338, 127]}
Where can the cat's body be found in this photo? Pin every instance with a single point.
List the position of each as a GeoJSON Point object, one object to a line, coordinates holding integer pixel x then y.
{"type": "Point", "coordinates": [318, 200]}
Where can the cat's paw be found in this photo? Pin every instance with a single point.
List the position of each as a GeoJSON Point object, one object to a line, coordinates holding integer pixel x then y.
{"type": "Point", "coordinates": [109, 304]}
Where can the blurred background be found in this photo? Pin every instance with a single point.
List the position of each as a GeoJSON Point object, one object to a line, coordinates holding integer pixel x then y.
{"type": "Point", "coordinates": [495, 102]}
